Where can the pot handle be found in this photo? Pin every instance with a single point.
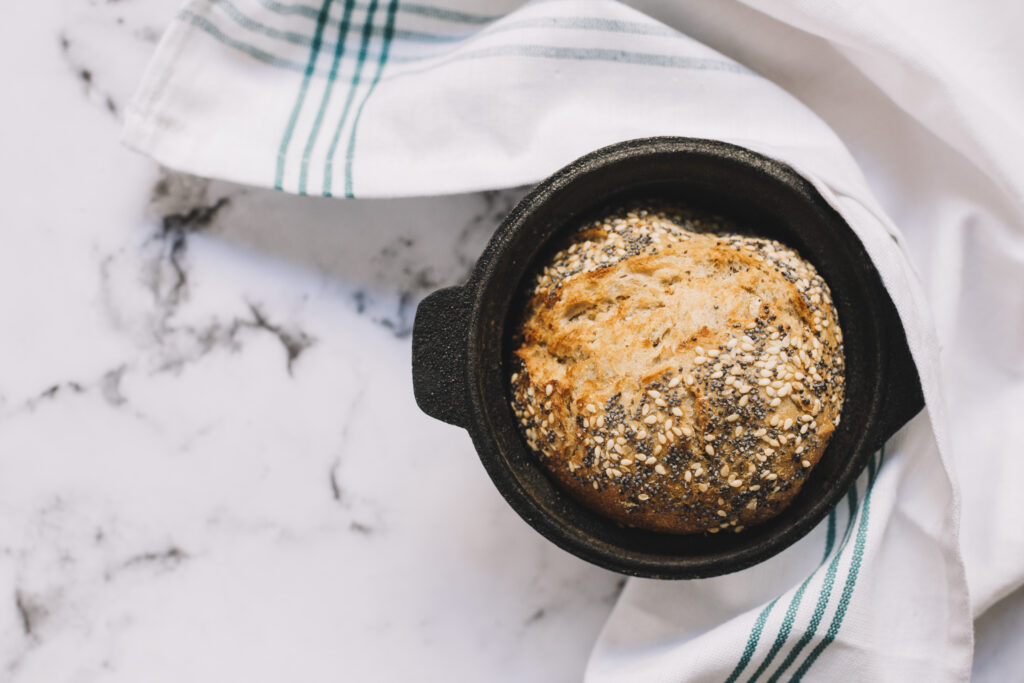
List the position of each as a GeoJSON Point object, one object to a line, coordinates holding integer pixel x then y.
{"type": "Point", "coordinates": [902, 397]}
{"type": "Point", "coordinates": [439, 339]}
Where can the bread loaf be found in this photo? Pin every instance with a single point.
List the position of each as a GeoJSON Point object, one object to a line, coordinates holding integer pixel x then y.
{"type": "Point", "coordinates": [675, 377]}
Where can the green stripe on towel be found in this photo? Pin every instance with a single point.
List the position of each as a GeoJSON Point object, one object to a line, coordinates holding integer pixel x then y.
{"type": "Point", "coordinates": [752, 640]}
{"type": "Point", "coordinates": [388, 32]}
{"type": "Point", "coordinates": [826, 590]}
{"type": "Point", "coordinates": [454, 16]}
{"type": "Point", "coordinates": [552, 52]}
{"type": "Point", "coordinates": [568, 23]}
{"type": "Point", "coordinates": [325, 100]}
{"type": "Point", "coordinates": [851, 578]}
{"type": "Point", "coordinates": [209, 28]}
{"type": "Point", "coordinates": [794, 604]}
{"type": "Point", "coordinates": [360, 61]}
{"type": "Point", "coordinates": [755, 633]}
{"type": "Point", "coordinates": [314, 52]}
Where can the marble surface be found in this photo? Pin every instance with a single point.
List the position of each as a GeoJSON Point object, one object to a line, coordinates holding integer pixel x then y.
{"type": "Point", "coordinates": [211, 464]}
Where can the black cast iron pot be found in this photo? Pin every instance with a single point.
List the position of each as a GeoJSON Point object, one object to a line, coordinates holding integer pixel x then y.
{"type": "Point", "coordinates": [461, 343]}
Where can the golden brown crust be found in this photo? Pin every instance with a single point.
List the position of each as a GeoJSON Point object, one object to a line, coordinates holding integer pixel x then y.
{"type": "Point", "coordinates": [677, 381]}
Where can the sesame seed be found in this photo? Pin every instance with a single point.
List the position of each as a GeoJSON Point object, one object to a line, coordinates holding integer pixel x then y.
{"type": "Point", "coordinates": [733, 417]}
{"type": "Point", "coordinates": [674, 382]}
{"type": "Point", "coordinates": [743, 400]}
{"type": "Point", "coordinates": [548, 389]}
{"type": "Point", "coordinates": [788, 423]}
{"type": "Point", "coordinates": [591, 408]}
{"type": "Point", "coordinates": [643, 496]}
{"type": "Point", "coordinates": [677, 411]}
{"type": "Point", "coordinates": [700, 360]}
{"type": "Point", "coordinates": [686, 431]}
{"type": "Point", "coordinates": [714, 353]}
{"type": "Point", "coordinates": [625, 462]}
{"type": "Point", "coordinates": [722, 513]}
{"type": "Point", "coordinates": [735, 483]}
{"type": "Point", "coordinates": [660, 469]}
{"type": "Point", "coordinates": [687, 475]}
{"type": "Point", "coordinates": [650, 419]}
{"type": "Point", "coordinates": [703, 487]}
{"type": "Point", "coordinates": [642, 434]}
{"type": "Point", "coordinates": [654, 393]}
{"type": "Point", "coordinates": [709, 449]}
{"type": "Point", "coordinates": [650, 461]}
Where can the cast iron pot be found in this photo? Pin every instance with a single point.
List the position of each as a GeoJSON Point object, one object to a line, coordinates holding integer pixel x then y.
{"type": "Point", "coordinates": [461, 343]}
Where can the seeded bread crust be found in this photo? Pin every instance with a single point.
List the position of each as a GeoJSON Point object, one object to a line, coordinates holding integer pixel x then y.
{"type": "Point", "coordinates": [678, 380]}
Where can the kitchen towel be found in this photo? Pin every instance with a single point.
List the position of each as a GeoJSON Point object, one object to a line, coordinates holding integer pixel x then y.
{"type": "Point", "coordinates": [385, 98]}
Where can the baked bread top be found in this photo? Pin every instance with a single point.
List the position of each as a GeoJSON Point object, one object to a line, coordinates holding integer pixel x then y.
{"type": "Point", "coordinates": [675, 377]}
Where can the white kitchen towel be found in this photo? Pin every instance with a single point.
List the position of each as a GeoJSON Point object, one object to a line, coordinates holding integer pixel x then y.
{"type": "Point", "coordinates": [390, 98]}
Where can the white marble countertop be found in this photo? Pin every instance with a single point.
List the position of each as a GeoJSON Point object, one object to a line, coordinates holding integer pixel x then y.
{"type": "Point", "coordinates": [211, 464]}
